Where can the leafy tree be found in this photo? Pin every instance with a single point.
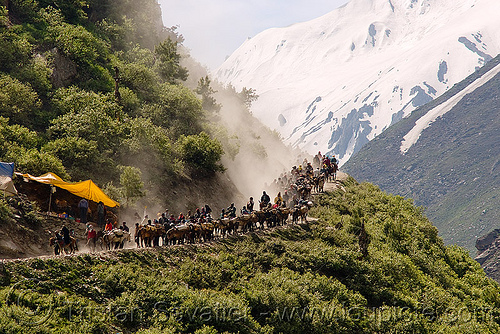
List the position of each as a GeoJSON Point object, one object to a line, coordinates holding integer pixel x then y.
{"type": "Point", "coordinates": [35, 162]}
{"type": "Point", "coordinates": [209, 103]}
{"type": "Point", "coordinates": [85, 49]}
{"type": "Point", "coordinates": [138, 55]}
{"type": "Point", "coordinates": [141, 19]}
{"type": "Point", "coordinates": [178, 109]}
{"type": "Point", "coordinates": [18, 101]}
{"type": "Point", "coordinates": [88, 115]}
{"type": "Point", "coordinates": [73, 11]}
{"type": "Point", "coordinates": [132, 185]}
{"type": "Point", "coordinates": [15, 50]}
{"type": "Point", "coordinates": [129, 101]}
{"type": "Point", "coordinates": [168, 62]}
{"type": "Point", "coordinates": [78, 43]}
{"type": "Point", "coordinates": [202, 152]}
{"type": "Point", "coordinates": [78, 155]}
{"type": "Point", "coordinates": [37, 73]}
{"type": "Point", "coordinates": [141, 80]}
{"type": "Point", "coordinates": [114, 33]}
{"type": "Point", "coordinates": [4, 18]}
{"type": "Point", "coordinates": [144, 141]}
{"type": "Point", "coordinates": [13, 137]}
{"type": "Point", "coordinates": [248, 96]}
{"type": "Point", "coordinates": [23, 10]}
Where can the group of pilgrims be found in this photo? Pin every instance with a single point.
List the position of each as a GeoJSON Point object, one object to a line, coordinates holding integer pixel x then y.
{"type": "Point", "coordinates": [292, 202]}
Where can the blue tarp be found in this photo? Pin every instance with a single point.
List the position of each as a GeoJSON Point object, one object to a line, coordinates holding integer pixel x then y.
{"type": "Point", "coordinates": [7, 169]}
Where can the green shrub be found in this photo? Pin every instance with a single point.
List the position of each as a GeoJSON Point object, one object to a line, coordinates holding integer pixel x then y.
{"type": "Point", "coordinates": [78, 155]}
{"type": "Point", "coordinates": [16, 50]}
{"type": "Point", "coordinates": [37, 163]}
{"type": "Point", "coordinates": [5, 212]}
{"type": "Point", "coordinates": [18, 101]}
{"type": "Point", "coordinates": [202, 152]}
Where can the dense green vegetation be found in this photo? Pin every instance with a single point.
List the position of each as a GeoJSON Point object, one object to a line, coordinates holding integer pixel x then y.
{"type": "Point", "coordinates": [94, 89]}
{"type": "Point", "coordinates": [303, 278]}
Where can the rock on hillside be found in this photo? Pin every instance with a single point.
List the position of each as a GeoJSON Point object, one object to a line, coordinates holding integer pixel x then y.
{"type": "Point", "coordinates": [488, 254]}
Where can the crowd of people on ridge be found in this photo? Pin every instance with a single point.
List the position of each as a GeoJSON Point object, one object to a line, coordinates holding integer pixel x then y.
{"type": "Point", "coordinates": [293, 190]}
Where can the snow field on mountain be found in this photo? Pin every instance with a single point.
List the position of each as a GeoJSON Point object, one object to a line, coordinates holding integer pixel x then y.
{"type": "Point", "coordinates": [333, 83]}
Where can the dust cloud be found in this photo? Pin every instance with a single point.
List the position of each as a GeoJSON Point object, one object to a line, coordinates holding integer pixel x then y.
{"type": "Point", "coordinates": [255, 155]}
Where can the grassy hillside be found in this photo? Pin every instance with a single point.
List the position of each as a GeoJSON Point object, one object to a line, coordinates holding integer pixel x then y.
{"type": "Point", "coordinates": [452, 170]}
{"type": "Point", "coordinates": [303, 278]}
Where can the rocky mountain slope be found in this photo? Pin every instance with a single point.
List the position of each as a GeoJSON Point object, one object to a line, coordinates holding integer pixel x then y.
{"type": "Point", "coordinates": [446, 156]}
{"type": "Point", "coordinates": [334, 83]}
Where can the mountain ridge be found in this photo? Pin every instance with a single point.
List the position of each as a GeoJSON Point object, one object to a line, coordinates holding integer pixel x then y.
{"type": "Point", "coordinates": [334, 83]}
{"type": "Point", "coordinates": [450, 170]}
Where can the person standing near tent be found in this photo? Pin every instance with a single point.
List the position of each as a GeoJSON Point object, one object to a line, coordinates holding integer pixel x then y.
{"type": "Point", "coordinates": [83, 205]}
{"type": "Point", "coordinates": [101, 214]}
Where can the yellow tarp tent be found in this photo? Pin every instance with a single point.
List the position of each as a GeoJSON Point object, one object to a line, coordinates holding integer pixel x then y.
{"type": "Point", "coordinates": [86, 189]}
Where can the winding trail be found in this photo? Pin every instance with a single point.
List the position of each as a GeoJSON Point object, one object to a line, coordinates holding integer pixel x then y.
{"type": "Point", "coordinates": [329, 186]}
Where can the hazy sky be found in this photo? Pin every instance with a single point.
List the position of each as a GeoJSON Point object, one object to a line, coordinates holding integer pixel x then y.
{"type": "Point", "coordinates": [213, 29]}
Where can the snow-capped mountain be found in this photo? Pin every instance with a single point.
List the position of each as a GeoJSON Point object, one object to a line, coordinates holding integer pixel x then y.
{"type": "Point", "coordinates": [334, 83]}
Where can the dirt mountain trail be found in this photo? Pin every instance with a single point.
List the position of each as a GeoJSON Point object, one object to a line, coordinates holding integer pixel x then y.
{"type": "Point", "coordinates": [21, 241]}
{"type": "Point", "coordinates": [337, 184]}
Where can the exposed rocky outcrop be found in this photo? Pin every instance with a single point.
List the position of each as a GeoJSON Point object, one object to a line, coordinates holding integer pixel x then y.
{"type": "Point", "coordinates": [488, 254]}
{"type": "Point", "coordinates": [64, 69]}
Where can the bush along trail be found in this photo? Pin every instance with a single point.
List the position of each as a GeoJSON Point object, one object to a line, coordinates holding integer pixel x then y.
{"type": "Point", "coordinates": [370, 263]}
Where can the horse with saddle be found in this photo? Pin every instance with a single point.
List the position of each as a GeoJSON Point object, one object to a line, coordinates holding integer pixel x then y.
{"type": "Point", "coordinates": [115, 238]}
{"type": "Point", "coordinates": [60, 246]}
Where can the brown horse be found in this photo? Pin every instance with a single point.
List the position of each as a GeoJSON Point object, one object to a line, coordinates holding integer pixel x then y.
{"type": "Point", "coordinates": [300, 211]}
{"type": "Point", "coordinates": [319, 183]}
{"type": "Point", "coordinates": [226, 226]}
{"type": "Point", "coordinates": [178, 233]}
{"type": "Point", "coordinates": [245, 222]}
{"type": "Point", "coordinates": [146, 235]}
{"type": "Point", "coordinates": [60, 246]}
{"type": "Point", "coordinates": [206, 231]}
{"type": "Point", "coordinates": [115, 238]}
{"type": "Point", "coordinates": [282, 215]}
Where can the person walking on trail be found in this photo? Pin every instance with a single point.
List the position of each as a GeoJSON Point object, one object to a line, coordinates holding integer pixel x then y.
{"type": "Point", "coordinates": [83, 205]}
{"type": "Point", "coordinates": [91, 237]}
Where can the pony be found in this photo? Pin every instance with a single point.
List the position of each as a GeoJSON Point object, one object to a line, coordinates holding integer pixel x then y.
{"type": "Point", "coordinates": [60, 246]}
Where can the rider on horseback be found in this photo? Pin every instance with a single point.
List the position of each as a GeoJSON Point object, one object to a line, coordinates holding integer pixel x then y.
{"type": "Point", "coordinates": [250, 204]}
{"type": "Point", "coordinates": [231, 211]}
{"type": "Point", "coordinates": [109, 226]}
{"type": "Point", "coordinates": [265, 199]}
{"type": "Point", "coordinates": [65, 233]}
